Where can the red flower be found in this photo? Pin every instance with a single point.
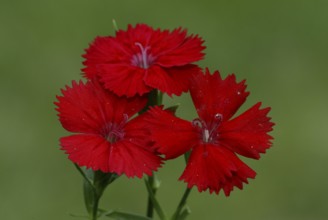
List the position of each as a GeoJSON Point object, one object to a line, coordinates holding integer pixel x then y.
{"type": "Point", "coordinates": [215, 137]}
{"type": "Point", "coordinates": [107, 138]}
{"type": "Point", "coordinates": [139, 59]}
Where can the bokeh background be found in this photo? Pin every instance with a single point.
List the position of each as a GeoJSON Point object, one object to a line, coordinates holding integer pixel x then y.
{"type": "Point", "coordinates": [279, 46]}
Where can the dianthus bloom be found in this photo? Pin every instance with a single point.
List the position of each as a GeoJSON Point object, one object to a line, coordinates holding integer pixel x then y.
{"type": "Point", "coordinates": [106, 138]}
{"type": "Point", "coordinates": [215, 138]}
{"type": "Point", "coordinates": [140, 59]}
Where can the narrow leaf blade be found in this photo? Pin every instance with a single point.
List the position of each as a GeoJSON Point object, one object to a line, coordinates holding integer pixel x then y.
{"type": "Point", "coordinates": [117, 215]}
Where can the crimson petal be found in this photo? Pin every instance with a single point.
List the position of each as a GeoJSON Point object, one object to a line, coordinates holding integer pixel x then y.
{"type": "Point", "coordinates": [121, 157]}
{"type": "Point", "coordinates": [140, 59]}
{"type": "Point", "coordinates": [104, 50]}
{"type": "Point", "coordinates": [211, 95]}
{"type": "Point", "coordinates": [87, 150]}
{"type": "Point", "coordinates": [247, 133]}
{"type": "Point", "coordinates": [213, 168]}
{"type": "Point", "coordinates": [180, 53]}
{"type": "Point", "coordinates": [173, 80]}
{"type": "Point", "coordinates": [173, 136]}
{"type": "Point", "coordinates": [86, 108]}
{"type": "Point", "coordinates": [132, 160]}
{"type": "Point", "coordinates": [137, 132]}
{"type": "Point", "coordinates": [124, 79]}
{"type": "Point", "coordinates": [79, 108]}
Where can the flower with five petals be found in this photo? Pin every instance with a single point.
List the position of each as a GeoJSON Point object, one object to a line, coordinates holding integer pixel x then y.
{"type": "Point", "coordinates": [106, 137]}
{"type": "Point", "coordinates": [140, 59]}
{"type": "Point", "coordinates": [216, 137]}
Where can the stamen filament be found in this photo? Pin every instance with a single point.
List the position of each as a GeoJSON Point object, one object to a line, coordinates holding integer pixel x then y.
{"type": "Point", "coordinates": [209, 131]}
{"type": "Point", "coordinates": [144, 55]}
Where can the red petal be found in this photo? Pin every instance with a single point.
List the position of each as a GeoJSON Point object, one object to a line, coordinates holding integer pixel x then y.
{"type": "Point", "coordinates": [173, 80]}
{"type": "Point", "coordinates": [105, 50]}
{"type": "Point", "coordinates": [124, 79]}
{"type": "Point", "coordinates": [175, 49]}
{"type": "Point", "coordinates": [121, 157]}
{"type": "Point", "coordinates": [141, 33]}
{"type": "Point", "coordinates": [247, 133]}
{"type": "Point", "coordinates": [91, 151]}
{"type": "Point", "coordinates": [170, 48]}
{"type": "Point", "coordinates": [214, 168]}
{"type": "Point", "coordinates": [111, 59]}
{"type": "Point", "coordinates": [86, 108]}
{"type": "Point", "coordinates": [137, 132]}
{"type": "Point", "coordinates": [212, 95]}
{"type": "Point", "coordinates": [173, 136]}
{"type": "Point", "coordinates": [132, 160]}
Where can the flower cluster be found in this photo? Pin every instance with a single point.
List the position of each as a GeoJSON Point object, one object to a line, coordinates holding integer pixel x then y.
{"type": "Point", "coordinates": [121, 72]}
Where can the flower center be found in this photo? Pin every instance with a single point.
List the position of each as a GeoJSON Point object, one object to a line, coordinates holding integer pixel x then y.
{"type": "Point", "coordinates": [209, 131]}
{"type": "Point", "coordinates": [114, 132]}
{"type": "Point", "coordinates": [143, 59]}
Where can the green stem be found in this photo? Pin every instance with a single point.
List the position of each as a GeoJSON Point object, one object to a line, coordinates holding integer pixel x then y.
{"type": "Point", "coordinates": [150, 206]}
{"type": "Point", "coordinates": [155, 97]}
{"type": "Point", "coordinates": [182, 204]}
{"type": "Point", "coordinates": [154, 203]}
{"type": "Point", "coordinates": [153, 184]}
{"type": "Point", "coordinates": [95, 208]}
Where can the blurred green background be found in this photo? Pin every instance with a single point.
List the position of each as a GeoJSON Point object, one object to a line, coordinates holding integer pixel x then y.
{"type": "Point", "coordinates": [279, 46]}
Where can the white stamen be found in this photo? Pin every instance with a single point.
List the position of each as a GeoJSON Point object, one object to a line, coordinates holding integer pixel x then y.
{"type": "Point", "coordinates": [206, 135]}
{"type": "Point", "coordinates": [144, 55]}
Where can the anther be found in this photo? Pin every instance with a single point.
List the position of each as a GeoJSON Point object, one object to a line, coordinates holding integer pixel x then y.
{"type": "Point", "coordinates": [218, 117]}
{"type": "Point", "coordinates": [198, 123]}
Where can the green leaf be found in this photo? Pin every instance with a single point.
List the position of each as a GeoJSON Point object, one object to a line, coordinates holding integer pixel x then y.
{"type": "Point", "coordinates": [90, 196]}
{"type": "Point", "coordinates": [89, 190]}
{"type": "Point", "coordinates": [117, 215]}
{"type": "Point", "coordinates": [94, 184]}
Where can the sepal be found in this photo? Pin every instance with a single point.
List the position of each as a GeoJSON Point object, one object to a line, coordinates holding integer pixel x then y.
{"type": "Point", "coordinates": [94, 184]}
